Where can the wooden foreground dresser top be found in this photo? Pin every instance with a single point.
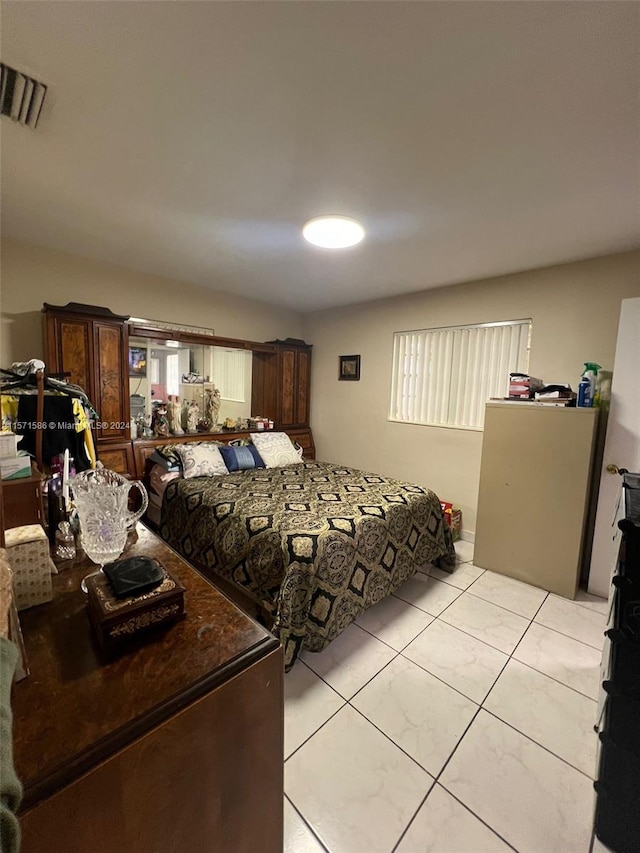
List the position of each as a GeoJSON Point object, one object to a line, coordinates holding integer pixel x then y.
{"type": "Point", "coordinates": [81, 706]}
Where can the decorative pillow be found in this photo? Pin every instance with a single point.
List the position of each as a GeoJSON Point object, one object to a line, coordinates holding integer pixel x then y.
{"type": "Point", "coordinates": [239, 458]}
{"type": "Point", "coordinates": [275, 448]}
{"type": "Point", "coordinates": [167, 454]}
{"type": "Point", "coordinates": [203, 460]}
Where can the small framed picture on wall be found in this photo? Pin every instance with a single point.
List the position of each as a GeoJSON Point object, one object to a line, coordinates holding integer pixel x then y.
{"type": "Point", "coordinates": [349, 367]}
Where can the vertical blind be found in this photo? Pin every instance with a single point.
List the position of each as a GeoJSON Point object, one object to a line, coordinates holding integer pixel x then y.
{"type": "Point", "coordinates": [445, 376]}
{"type": "Point", "coordinates": [229, 373]}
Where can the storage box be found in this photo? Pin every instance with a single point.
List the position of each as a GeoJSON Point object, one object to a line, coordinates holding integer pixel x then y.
{"type": "Point", "coordinates": [12, 468]}
{"type": "Point", "coordinates": [8, 445]}
{"type": "Point", "coordinates": [32, 567]}
{"type": "Point", "coordinates": [118, 619]}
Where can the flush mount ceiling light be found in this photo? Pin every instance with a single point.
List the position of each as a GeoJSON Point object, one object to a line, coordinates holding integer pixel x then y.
{"type": "Point", "coordinates": [333, 232]}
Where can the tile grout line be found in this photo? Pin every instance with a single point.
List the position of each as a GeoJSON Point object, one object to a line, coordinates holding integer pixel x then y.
{"type": "Point", "coordinates": [466, 808]}
{"type": "Point", "coordinates": [392, 741]}
{"type": "Point", "coordinates": [436, 782]}
{"type": "Point", "coordinates": [302, 818]}
{"type": "Point", "coordinates": [568, 636]}
{"type": "Point", "coordinates": [413, 817]}
{"type": "Point", "coordinates": [541, 745]}
{"type": "Point", "coordinates": [482, 708]}
{"type": "Point", "coordinates": [398, 653]}
{"type": "Point", "coordinates": [546, 674]}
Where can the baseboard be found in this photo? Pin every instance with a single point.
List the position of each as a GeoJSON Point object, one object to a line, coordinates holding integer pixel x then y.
{"type": "Point", "coordinates": [468, 536]}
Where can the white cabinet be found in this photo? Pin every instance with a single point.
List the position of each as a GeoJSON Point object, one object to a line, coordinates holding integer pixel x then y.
{"type": "Point", "coordinates": [534, 491]}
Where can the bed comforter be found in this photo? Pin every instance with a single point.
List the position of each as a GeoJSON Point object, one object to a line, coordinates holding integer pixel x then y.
{"type": "Point", "coordinates": [316, 543]}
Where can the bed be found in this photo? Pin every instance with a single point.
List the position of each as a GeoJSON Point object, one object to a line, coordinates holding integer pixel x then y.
{"type": "Point", "coordinates": [314, 543]}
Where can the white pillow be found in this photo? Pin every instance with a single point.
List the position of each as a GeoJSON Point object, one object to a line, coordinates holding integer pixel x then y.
{"type": "Point", "coordinates": [275, 448]}
{"type": "Point", "coordinates": [203, 460]}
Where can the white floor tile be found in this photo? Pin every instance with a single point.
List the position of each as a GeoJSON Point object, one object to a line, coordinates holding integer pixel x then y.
{"type": "Point", "coordinates": [573, 620]}
{"type": "Point", "coordinates": [350, 660]}
{"type": "Point", "coordinates": [520, 598]}
{"type": "Point", "coordinates": [427, 593]}
{"type": "Point", "coordinates": [487, 622]}
{"type": "Point", "coordinates": [298, 838]}
{"type": "Point", "coordinates": [394, 622]}
{"type": "Point", "coordinates": [534, 800]}
{"type": "Point", "coordinates": [464, 550]}
{"type": "Point", "coordinates": [417, 711]}
{"type": "Point", "coordinates": [353, 786]}
{"type": "Point", "coordinates": [569, 661]}
{"type": "Point", "coordinates": [308, 703]}
{"type": "Point", "coordinates": [444, 826]}
{"type": "Point", "coordinates": [553, 715]}
{"type": "Point", "coordinates": [593, 602]}
{"type": "Point", "coordinates": [462, 576]}
{"type": "Point", "coordinates": [463, 662]}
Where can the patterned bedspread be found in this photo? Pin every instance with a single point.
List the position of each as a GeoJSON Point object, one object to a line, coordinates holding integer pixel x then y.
{"type": "Point", "coordinates": [318, 543]}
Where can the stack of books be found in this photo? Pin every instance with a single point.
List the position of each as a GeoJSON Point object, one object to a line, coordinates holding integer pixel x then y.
{"type": "Point", "coordinates": [13, 463]}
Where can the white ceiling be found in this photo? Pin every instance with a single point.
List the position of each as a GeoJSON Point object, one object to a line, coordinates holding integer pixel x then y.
{"type": "Point", "coordinates": [193, 139]}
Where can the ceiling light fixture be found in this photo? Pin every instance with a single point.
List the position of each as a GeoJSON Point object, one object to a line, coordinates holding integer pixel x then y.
{"type": "Point", "coordinates": [333, 232]}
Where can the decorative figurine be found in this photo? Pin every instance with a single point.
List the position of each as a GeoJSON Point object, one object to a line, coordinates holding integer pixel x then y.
{"type": "Point", "coordinates": [193, 416]}
{"type": "Point", "coordinates": [212, 405]}
{"type": "Point", "coordinates": [160, 421]}
{"type": "Point", "coordinates": [174, 415]}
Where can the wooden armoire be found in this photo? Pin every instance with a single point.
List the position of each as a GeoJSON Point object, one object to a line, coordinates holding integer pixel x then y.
{"type": "Point", "coordinates": [293, 383]}
{"type": "Point", "coordinates": [91, 344]}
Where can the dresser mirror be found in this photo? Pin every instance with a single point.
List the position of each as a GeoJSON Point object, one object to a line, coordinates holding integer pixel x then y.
{"type": "Point", "coordinates": [202, 385]}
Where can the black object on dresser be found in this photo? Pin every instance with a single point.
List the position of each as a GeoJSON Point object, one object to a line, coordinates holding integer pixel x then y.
{"type": "Point", "coordinates": [617, 819]}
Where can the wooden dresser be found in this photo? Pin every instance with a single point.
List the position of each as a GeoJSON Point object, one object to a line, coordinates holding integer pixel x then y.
{"type": "Point", "coordinates": [175, 743]}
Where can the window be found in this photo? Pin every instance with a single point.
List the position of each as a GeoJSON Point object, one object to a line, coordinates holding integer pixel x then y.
{"type": "Point", "coordinates": [444, 377]}
{"type": "Point", "coordinates": [229, 373]}
{"type": "Point", "coordinates": [173, 374]}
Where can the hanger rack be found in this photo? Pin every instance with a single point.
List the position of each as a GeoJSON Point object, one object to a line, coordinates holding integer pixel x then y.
{"type": "Point", "coordinates": [39, 380]}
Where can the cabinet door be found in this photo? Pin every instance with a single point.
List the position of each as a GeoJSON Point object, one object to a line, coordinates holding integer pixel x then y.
{"type": "Point", "coordinates": [287, 384]}
{"type": "Point", "coordinates": [69, 350]}
{"type": "Point", "coordinates": [111, 398]}
{"type": "Point", "coordinates": [118, 457]}
{"type": "Point", "coordinates": [303, 386]}
{"type": "Point", "coordinates": [534, 487]}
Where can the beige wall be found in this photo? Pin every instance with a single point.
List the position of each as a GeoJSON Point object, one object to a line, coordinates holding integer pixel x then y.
{"type": "Point", "coordinates": [574, 308]}
{"type": "Point", "coordinates": [32, 275]}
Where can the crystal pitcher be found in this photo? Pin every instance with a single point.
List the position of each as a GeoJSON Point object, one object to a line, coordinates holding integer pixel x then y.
{"type": "Point", "coordinates": [101, 497]}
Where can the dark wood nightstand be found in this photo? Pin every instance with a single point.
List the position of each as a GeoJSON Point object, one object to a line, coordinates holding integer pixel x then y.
{"type": "Point", "coordinates": [174, 743]}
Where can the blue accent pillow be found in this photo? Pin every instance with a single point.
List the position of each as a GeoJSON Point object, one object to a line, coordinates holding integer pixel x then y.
{"type": "Point", "coordinates": [241, 458]}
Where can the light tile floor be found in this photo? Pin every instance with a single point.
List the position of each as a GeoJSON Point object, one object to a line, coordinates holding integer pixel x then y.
{"type": "Point", "coordinates": [454, 717]}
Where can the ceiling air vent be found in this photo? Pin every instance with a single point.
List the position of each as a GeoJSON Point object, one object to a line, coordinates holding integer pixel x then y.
{"type": "Point", "coordinates": [21, 97]}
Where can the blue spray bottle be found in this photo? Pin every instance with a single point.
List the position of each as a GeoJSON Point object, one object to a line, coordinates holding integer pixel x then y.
{"type": "Point", "coordinates": [587, 386]}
